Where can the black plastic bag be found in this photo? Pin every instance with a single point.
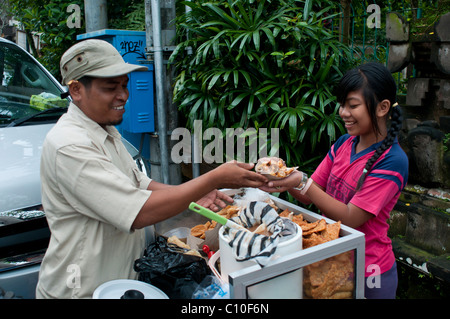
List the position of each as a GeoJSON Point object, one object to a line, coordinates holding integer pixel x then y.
{"type": "Point", "coordinates": [166, 266]}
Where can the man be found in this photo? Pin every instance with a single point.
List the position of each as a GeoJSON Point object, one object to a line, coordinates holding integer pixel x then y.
{"type": "Point", "coordinates": [96, 200]}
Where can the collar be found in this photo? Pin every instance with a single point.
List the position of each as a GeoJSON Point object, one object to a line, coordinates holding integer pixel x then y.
{"type": "Point", "coordinates": [98, 132]}
{"type": "Point", "coordinates": [371, 148]}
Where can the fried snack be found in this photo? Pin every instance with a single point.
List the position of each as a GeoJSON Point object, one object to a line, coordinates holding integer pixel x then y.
{"type": "Point", "coordinates": [320, 226]}
{"type": "Point", "coordinates": [193, 252]}
{"type": "Point", "coordinates": [332, 281]}
{"type": "Point", "coordinates": [331, 231]}
{"type": "Point", "coordinates": [176, 241]}
{"type": "Point", "coordinates": [199, 230]}
{"type": "Point", "coordinates": [273, 166]}
{"type": "Point", "coordinates": [313, 240]}
{"type": "Point", "coordinates": [229, 211]}
{"type": "Point", "coordinates": [330, 278]}
{"type": "Point", "coordinates": [286, 213]}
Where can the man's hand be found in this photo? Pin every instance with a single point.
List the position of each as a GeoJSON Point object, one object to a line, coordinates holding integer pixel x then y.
{"type": "Point", "coordinates": [215, 200]}
{"type": "Point", "coordinates": [236, 175]}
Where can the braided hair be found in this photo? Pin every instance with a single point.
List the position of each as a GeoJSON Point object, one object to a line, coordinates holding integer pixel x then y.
{"type": "Point", "coordinates": [377, 84]}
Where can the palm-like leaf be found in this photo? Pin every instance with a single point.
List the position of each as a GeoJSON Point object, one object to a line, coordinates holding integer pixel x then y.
{"type": "Point", "coordinates": [262, 64]}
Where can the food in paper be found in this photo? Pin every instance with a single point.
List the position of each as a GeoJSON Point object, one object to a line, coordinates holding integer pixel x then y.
{"type": "Point", "coordinates": [178, 242]}
{"type": "Point", "coordinates": [199, 230]}
{"type": "Point", "coordinates": [273, 168]}
{"type": "Point", "coordinates": [331, 278]}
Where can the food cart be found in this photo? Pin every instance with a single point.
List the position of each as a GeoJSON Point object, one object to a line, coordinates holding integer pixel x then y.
{"type": "Point", "coordinates": [332, 269]}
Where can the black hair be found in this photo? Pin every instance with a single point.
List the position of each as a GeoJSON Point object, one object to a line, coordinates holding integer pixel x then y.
{"type": "Point", "coordinates": [85, 80]}
{"type": "Point", "coordinates": [377, 84]}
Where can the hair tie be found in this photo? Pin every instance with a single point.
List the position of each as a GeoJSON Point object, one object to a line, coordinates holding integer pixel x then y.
{"type": "Point", "coordinates": [365, 171]}
{"type": "Point", "coordinates": [395, 104]}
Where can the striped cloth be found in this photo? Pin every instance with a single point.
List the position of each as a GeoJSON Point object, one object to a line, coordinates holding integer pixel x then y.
{"type": "Point", "coordinates": [250, 246]}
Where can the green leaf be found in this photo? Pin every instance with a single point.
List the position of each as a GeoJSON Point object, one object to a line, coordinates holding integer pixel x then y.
{"type": "Point", "coordinates": [238, 100]}
{"type": "Point", "coordinates": [326, 70]}
{"type": "Point", "coordinates": [307, 9]}
{"type": "Point", "coordinates": [214, 80]}
{"type": "Point", "coordinates": [256, 39]}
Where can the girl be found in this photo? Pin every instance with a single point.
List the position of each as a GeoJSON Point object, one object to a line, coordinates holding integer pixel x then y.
{"type": "Point", "coordinates": [361, 178]}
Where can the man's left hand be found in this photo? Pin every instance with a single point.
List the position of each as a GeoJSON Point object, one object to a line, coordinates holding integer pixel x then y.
{"type": "Point", "coordinates": [215, 200]}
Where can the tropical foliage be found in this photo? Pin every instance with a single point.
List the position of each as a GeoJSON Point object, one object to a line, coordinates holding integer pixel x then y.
{"type": "Point", "coordinates": [50, 21]}
{"type": "Point", "coordinates": [271, 64]}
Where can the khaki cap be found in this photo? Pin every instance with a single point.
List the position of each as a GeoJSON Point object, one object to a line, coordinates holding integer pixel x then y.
{"type": "Point", "coordinates": [96, 58]}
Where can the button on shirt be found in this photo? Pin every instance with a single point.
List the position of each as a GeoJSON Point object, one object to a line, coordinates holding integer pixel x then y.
{"type": "Point", "coordinates": [92, 192]}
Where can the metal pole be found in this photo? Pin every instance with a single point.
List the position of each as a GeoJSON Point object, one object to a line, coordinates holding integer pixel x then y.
{"type": "Point", "coordinates": [197, 140]}
{"type": "Point", "coordinates": [96, 15]}
{"type": "Point", "coordinates": [159, 80]}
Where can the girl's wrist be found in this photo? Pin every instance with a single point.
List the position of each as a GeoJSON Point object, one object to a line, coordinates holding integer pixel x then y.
{"type": "Point", "coordinates": [302, 184]}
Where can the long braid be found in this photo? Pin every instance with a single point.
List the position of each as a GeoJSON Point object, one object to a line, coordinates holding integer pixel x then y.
{"type": "Point", "coordinates": [394, 129]}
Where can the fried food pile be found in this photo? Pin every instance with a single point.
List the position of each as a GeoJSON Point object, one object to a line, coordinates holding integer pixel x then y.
{"type": "Point", "coordinates": [314, 233]}
{"type": "Point", "coordinates": [331, 278]}
{"type": "Point", "coordinates": [227, 212]}
{"type": "Point", "coordinates": [273, 166]}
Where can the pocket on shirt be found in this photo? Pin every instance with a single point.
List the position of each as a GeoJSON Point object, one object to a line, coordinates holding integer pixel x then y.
{"type": "Point", "coordinates": [138, 178]}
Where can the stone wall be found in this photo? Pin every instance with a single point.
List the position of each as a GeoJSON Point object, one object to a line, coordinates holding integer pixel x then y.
{"type": "Point", "coordinates": [420, 222]}
{"type": "Point", "coordinates": [420, 230]}
{"type": "Point", "coordinates": [427, 103]}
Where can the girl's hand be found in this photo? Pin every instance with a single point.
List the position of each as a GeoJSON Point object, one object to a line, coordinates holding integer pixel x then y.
{"type": "Point", "coordinates": [282, 185]}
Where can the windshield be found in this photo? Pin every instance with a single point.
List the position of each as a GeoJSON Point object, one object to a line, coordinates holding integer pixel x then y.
{"type": "Point", "coordinates": [26, 89]}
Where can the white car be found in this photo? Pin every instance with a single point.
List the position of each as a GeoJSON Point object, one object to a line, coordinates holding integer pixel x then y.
{"type": "Point", "coordinates": [30, 104]}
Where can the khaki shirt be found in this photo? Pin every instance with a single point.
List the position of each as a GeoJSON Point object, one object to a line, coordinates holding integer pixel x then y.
{"type": "Point", "coordinates": [92, 192]}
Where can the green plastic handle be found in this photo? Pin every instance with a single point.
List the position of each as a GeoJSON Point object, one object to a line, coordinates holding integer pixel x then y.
{"type": "Point", "coordinates": [207, 213]}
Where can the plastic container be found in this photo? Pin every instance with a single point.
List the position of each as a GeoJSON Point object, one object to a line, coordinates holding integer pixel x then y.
{"type": "Point", "coordinates": [117, 289]}
{"type": "Point", "coordinates": [286, 286]}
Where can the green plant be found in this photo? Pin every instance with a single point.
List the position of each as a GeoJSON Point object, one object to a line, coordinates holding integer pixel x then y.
{"type": "Point", "coordinates": [50, 21]}
{"type": "Point", "coordinates": [446, 142]}
{"type": "Point", "coordinates": [128, 15]}
{"type": "Point", "coordinates": [264, 63]}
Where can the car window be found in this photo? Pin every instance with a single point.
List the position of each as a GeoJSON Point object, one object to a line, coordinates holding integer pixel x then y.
{"type": "Point", "coordinates": [25, 88]}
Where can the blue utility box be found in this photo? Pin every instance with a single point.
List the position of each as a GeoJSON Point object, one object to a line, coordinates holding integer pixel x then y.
{"type": "Point", "coordinates": [139, 114]}
{"type": "Point", "coordinates": [130, 44]}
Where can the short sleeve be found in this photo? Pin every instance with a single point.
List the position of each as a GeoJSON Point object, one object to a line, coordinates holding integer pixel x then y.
{"type": "Point", "coordinates": [375, 194]}
{"type": "Point", "coordinates": [384, 182]}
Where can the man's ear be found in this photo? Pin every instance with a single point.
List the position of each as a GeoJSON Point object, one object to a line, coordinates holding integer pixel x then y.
{"type": "Point", "coordinates": [75, 89]}
{"type": "Point", "coordinates": [383, 108]}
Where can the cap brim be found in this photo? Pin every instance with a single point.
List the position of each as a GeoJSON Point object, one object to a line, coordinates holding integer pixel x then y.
{"type": "Point", "coordinates": [116, 70]}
